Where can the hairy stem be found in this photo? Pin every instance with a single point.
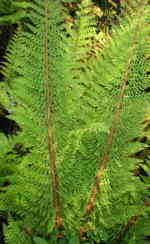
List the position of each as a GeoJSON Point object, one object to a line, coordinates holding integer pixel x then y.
{"type": "Point", "coordinates": [115, 123]}
{"type": "Point", "coordinates": [51, 140]}
{"type": "Point", "coordinates": [104, 161]}
{"type": "Point", "coordinates": [132, 221]}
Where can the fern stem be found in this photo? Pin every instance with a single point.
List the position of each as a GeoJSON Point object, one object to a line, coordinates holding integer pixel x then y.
{"type": "Point", "coordinates": [132, 221]}
{"type": "Point", "coordinates": [118, 109]}
{"type": "Point", "coordinates": [104, 161]}
{"type": "Point", "coordinates": [51, 140]}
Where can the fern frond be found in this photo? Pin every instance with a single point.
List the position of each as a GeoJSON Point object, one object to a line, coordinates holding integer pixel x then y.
{"type": "Point", "coordinates": [12, 11]}
{"type": "Point", "coordinates": [32, 82]}
{"type": "Point", "coordinates": [78, 119]}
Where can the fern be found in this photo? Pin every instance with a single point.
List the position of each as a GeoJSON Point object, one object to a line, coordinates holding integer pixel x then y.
{"type": "Point", "coordinates": [78, 120]}
{"type": "Point", "coordinates": [12, 11]}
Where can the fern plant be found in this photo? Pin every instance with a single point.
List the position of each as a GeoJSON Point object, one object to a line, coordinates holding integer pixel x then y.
{"type": "Point", "coordinates": [78, 119]}
{"type": "Point", "coordinates": [12, 11]}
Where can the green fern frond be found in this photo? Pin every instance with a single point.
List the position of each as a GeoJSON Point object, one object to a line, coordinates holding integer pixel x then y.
{"type": "Point", "coordinates": [12, 11]}
{"type": "Point", "coordinates": [78, 119]}
{"type": "Point", "coordinates": [37, 113]}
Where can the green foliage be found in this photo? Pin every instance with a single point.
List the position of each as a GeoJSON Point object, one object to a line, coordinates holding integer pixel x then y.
{"type": "Point", "coordinates": [78, 119]}
{"type": "Point", "coordinates": [12, 11]}
{"type": "Point", "coordinates": [10, 161]}
{"type": "Point", "coordinates": [38, 240]}
{"type": "Point", "coordinates": [71, 1]}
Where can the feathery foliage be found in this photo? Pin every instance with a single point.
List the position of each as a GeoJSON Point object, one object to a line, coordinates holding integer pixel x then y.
{"type": "Point", "coordinates": [78, 119]}
{"type": "Point", "coordinates": [12, 11]}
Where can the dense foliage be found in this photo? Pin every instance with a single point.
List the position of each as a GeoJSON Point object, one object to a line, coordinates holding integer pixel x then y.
{"type": "Point", "coordinates": [75, 168]}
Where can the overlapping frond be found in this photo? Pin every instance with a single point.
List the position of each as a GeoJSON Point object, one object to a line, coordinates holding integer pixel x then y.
{"type": "Point", "coordinates": [78, 120]}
